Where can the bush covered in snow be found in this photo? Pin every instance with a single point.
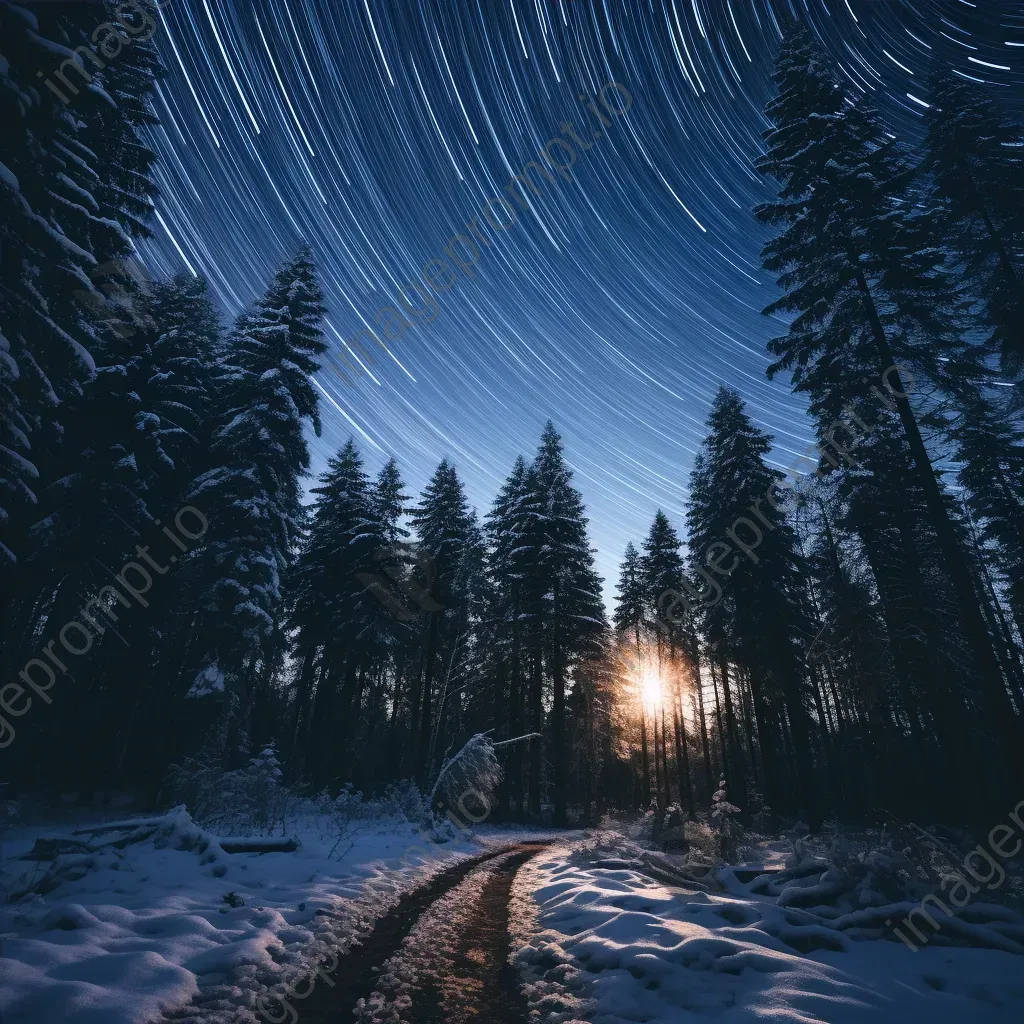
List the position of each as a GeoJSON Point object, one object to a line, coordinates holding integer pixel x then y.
{"type": "Point", "coordinates": [723, 823]}
{"type": "Point", "coordinates": [256, 800]}
{"type": "Point", "coordinates": [252, 800]}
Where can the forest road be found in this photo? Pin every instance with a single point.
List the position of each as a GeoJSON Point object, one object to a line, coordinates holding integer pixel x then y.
{"type": "Point", "coordinates": [439, 957]}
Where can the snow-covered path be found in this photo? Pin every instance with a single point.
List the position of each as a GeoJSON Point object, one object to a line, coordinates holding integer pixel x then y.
{"type": "Point", "coordinates": [454, 965]}
{"type": "Point", "coordinates": [610, 944]}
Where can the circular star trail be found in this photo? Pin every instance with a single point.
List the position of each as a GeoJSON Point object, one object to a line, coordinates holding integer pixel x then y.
{"type": "Point", "coordinates": [614, 300]}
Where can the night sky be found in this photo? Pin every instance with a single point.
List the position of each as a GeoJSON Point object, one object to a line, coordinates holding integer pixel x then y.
{"type": "Point", "coordinates": [615, 304]}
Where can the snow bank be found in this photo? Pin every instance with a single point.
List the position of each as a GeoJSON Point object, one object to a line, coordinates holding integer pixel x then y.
{"type": "Point", "coordinates": [602, 940]}
{"type": "Point", "coordinates": [129, 932]}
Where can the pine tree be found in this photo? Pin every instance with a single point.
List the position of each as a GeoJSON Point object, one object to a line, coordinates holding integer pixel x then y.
{"type": "Point", "coordinates": [630, 602]}
{"type": "Point", "coordinates": [663, 573]}
{"type": "Point", "coordinates": [859, 268]}
{"type": "Point", "coordinates": [341, 612]}
{"type": "Point", "coordinates": [745, 544]}
{"type": "Point", "coordinates": [629, 619]}
{"type": "Point", "coordinates": [137, 432]}
{"type": "Point", "coordinates": [16, 470]}
{"type": "Point", "coordinates": [75, 187]}
{"type": "Point", "coordinates": [976, 176]}
{"type": "Point", "coordinates": [861, 701]}
{"type": "Point", "coordinates": [391, 501]}
{"type": "Point", "coordinates": [663, 569]}
{"type": "Point", "coordinates": [259, 453]}
{"type": "Point", "coordinates": [572, 610]}
{"type": "Point", "coordinates": [990, 450]}
{"type": "Point", "coordinates": [449, 537]}
{"type": "Point", "coordinates": [505, 527]}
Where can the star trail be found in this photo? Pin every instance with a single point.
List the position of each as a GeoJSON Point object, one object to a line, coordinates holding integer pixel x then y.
{"type": "Point", "coordinates": [613, 298]}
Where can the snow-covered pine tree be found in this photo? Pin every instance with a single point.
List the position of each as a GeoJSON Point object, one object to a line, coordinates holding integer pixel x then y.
{"type": "Point", "coordinates": [630, 603]}
{"type": "Point", "coordinates": [572, 609]}
{"type": "Point", "coordinates": [504, 531]}
{"type": "Point", "coordinates": [662, 567]}
{"type": "Point", "coordinates": [390, 501]}
{"type": "Point", "coordinates": [259, 453]}
{"type": "Point", "coordinates": [340, 618]}
{"type": "Point", "coordinates": [182, 388]}
{"type": "Point", "coordinates": [75, 187]}
{"type": "Point", "coordinates": [451, 543]}
{"type": "Point", "coordinates": [136, 434]}
{"type": "Point", "coordinates": [17, 473]}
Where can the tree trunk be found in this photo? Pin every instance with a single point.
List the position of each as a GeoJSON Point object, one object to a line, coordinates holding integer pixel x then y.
{"type": "Point", "coordinates": [682, 759]}
{"type": "Point", "coordinates": [705, 745]}
{"type": "Point", "coordinates": [771, 753]}
{"type": "Point", "coordinates": [643, 727]}
{"type": "Point", "coordinates": [515, 729]}
{"type": "Point", "coordinates": [536, 723]}
{"type": "Point", "coordinates": [1001, 711]}
{"type": "Point", "coordinates": [658, 799]}
{"type": "Point", "coordinates": [646, 792]}
{"type": "Point", "coordinates": [664, 757]}
{"type": "Point", "coordinates": [738, 783]}
{"type": "Point", "coordinates": [422, 741]}
{"type": "Point", "coordinates": [558, 751]}
{"type": "Point", "coordinates": [722, 737]}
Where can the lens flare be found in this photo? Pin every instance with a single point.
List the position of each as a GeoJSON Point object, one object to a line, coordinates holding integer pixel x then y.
{"type": "Point", "coordinates": [650, 689]}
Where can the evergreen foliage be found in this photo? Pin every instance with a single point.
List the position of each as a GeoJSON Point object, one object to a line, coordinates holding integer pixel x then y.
{"type": "Point", "coordinates": [858, 644]}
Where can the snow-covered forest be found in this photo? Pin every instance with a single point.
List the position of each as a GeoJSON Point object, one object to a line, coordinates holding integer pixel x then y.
{"type": "Point", "coordinates": [855, 645]}
{"type": "Point", "coordinates": [185, 604]}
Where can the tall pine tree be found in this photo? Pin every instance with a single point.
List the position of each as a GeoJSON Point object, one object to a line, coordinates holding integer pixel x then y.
{"type": "Point", "coordinates": [975, 167]}
{"type": "Point", "coordinates": [859, 269]}
{"type": "Point", "coordinates": [259, 452]}
{"type": "Point", "coordinates": [743, 541]}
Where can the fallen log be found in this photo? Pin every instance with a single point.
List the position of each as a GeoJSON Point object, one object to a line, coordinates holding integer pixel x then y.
{"type": "Point", "coordinates": [259, 845]}
{"type": "Point", "coordinates": [239, 844]}
{"type": "Point", "coordinates": [120, 826]}
{"type": "Point", "coordinates": [51, 847]}
{"type": "Point", "coordinates": [670, 875]}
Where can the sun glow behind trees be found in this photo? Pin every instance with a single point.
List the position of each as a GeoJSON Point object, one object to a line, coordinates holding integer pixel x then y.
{"type": "Point", "coordinates": [651, 689]}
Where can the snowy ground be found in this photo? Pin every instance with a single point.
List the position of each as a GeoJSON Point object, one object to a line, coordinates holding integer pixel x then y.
{"type": "Point", "coordinates": [149, 928]}
{"type": "Point", "coordinates": [175, 929]}
{"type": "Point", "coordinates": [610, 944]}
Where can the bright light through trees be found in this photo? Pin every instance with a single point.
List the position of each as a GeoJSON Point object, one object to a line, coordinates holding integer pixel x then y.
{"type": "Point", "coordinates": [651, 689]}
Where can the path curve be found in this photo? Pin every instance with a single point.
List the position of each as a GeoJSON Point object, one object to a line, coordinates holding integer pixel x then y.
{"type": "Point", "coordinates": [439, 957]}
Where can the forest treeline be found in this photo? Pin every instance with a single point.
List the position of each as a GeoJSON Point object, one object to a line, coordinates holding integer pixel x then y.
{"type": "Point", "coordinates": [867, 656]}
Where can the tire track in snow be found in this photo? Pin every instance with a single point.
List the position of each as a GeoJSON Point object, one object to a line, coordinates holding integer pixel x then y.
{"type": "Point", "coordinates": [453, 966]}
{"type": "Point", "coordinates": [469, 904]}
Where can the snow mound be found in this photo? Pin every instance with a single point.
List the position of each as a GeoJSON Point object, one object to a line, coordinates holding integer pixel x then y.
{"type": "Point", "coordinates": [131, 923]}
{"type": "Point", "coordinates": [601, 939]}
